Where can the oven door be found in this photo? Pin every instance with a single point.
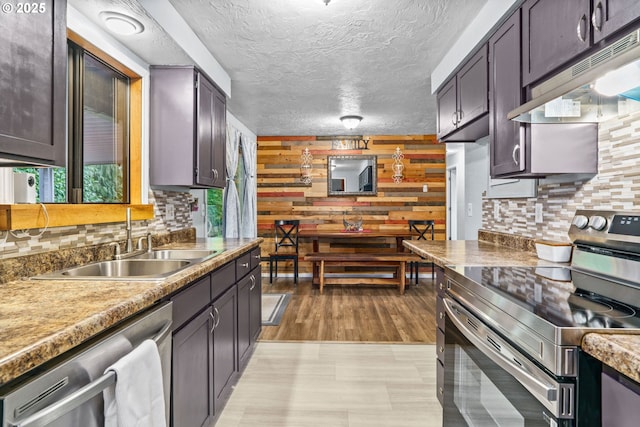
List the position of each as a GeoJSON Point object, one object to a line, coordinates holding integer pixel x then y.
{"type": "Point", "coordinates": [489, 383]}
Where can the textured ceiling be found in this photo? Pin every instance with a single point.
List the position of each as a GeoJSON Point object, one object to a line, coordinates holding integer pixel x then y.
{"type": "Point", "coordinates": [296, 66]}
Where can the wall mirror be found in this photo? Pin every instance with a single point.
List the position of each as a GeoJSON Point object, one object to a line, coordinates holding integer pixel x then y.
{"type": "Point", "coordinates": [352, 175]}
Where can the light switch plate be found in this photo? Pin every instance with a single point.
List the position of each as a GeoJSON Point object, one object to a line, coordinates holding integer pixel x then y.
{"type": "Point", "coordinates": [538, 213]}
{"type": "Point", "coordinates": [170, 212]}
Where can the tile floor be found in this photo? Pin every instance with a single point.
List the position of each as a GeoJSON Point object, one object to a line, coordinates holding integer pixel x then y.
{"type": "Point", "coordinates": [336, 384]}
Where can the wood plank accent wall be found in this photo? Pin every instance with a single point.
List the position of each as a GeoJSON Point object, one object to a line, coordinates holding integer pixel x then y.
{"type": "Point", "coordinates": [281, 195]}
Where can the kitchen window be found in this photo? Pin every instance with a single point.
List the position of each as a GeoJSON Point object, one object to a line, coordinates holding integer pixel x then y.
{"type": "Point", "coordinates": [104, 174]}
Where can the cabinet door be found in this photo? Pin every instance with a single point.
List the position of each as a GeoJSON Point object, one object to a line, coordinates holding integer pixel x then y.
{"type": "Point", "coordinates": [219, 138]}
{"type": "Point", "coordinates": [225, 345]}
{"type": "Point", "coordinates": [553, 33]}
{"type": "Point", "coordinates": [192, 373]}
{"type": "Point", "coordinates": [447, 109]}
{"type": "Point", "coordinates": [205, 173]}
{"type": "Point", "coordinates": [472, 88]}
{"type": "Point", "coordinates": [33, 60]}
{"type": "Point", "coordinates": [505, 94]}
{"type": "Point", "coordinates": [249, 313]}
{"type": "Point", "coordinates": [609, 16]}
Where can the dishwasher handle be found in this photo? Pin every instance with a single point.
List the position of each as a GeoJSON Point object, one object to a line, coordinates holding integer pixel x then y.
{"type": "Point", "coordinates": [80, 396]}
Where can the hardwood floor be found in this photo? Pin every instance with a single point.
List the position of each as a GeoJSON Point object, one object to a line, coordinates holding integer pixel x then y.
{"type": "Point", "coordinates": [354, 313]}
{"type": "Point", "coordinates": [336, 384]}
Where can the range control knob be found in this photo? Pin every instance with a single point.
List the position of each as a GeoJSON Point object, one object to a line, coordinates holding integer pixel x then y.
{"type": "Point", "coordinates": [580, 221]}
{"type": "Point", "coordinates": [597, 222]}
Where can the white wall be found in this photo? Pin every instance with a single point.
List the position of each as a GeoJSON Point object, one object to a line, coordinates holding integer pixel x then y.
{"type": "Point", "coordinates": [476, 166]}
{"type": "Point", "coordinates": [455, 216]}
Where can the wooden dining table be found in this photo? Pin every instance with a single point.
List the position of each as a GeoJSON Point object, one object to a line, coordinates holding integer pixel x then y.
{"type": "Point", "coordinates": [316, 235]}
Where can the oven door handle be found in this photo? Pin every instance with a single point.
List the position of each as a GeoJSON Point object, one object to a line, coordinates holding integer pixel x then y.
{"type": "Point", "coordinates": [506, 357]}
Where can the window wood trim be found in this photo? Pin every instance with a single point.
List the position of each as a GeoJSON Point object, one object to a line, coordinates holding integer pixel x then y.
{"type": "Point", "coordinates": [25, 216]}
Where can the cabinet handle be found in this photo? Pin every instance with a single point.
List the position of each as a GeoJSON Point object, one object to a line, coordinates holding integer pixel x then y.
{"type": "Point", "coordinates": [256, 256]}
{"type": "Point", "coordinates": [215, 309]}
{"type": "Point", "coordinates": [215, 174]}
{"type": "Point", "coordinates": [441, 349]}
{"type": "Point", "coordinates": [253, 281]}
{"type": "Point", "coordinates": [454, 118]}
{"type": "Point", "coordinates": [596, 17]}
{"type": "Point", "coordinates": [245, 264]}
{"type": "Point", "coordinates": [516, 149]}
{"type": "Point", "coordinates": [440, 390]}
{"type": "Point", "coordinates": [213, 322]}
{"type": "Point", "coordinates": [441, 315]}
{"type": "Point", "coordinates": [582, 28]}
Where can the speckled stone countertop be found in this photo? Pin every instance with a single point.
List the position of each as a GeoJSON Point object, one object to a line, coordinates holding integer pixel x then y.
{"type": "Point", "coordinates": [41, 319]}
{"type": "Point", "coordinates": [472, 252]}
{"type": "Point", "coordinates": [621, 352]}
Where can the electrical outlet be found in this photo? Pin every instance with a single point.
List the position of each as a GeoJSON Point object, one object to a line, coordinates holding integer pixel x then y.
{"type": "Point", "coordinates": [538, 213]}
{"type": "Point", "coordinates": [425, 188]}
{"type": "Point", "coordinates": [469, 209]}
{"type": "Point", "coordinates": [496, 210]}
{"type": "Point", "coordinates": [170, 212]}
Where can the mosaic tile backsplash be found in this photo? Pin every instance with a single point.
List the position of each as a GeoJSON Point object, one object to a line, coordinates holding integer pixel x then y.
{"type": "Point", "coordinates": [615, 187]}
{"type": "Point", "coordinates": [87, 235]}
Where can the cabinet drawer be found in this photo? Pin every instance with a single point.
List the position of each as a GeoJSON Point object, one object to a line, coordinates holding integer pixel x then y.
{"type": "Point", "coordinates": [222, 279]}
{"type": "Point", "coordinates": [440, 312]}
{"type": "Point", "coordinates": [190, 301]}
{"type": "Point", "coordinates": [440, 345]}
{"type": "Point", "coordinates": [255, 257]}
{"type": "Point", "coordinates": [243, 265]}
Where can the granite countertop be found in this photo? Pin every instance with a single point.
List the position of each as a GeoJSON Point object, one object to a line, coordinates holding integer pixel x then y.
{"type": "Point", "coordinates": [472, 252]}
{"type": "Point", "coordinates": [621, 352]}
{"type": "Point", "coordinates": [41, 319]}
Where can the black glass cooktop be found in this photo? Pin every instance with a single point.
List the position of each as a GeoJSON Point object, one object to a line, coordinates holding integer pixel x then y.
{"type": "Point", "coordinates": [562, 296]}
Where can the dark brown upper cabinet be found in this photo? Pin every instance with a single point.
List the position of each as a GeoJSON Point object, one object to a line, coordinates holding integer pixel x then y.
{"type": "Point", "coordinates": [610, 16]}
{"type": "Point", "coordinates": [553, 33]}
{"type": "Point", "coordinates": [557, 33]}
{"type": "Point", "coordinates": [463, 102]}
{"type": "Point", "coordinates": [505, 94]}
{"type": "Point", "coordinates": [187, 135]}
{"type": "Point", "coordinates": [33, 60]}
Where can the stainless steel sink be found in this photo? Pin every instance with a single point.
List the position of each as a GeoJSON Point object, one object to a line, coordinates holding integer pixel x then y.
{"type": "Point", "coordinates": [187, 254]}
{"type": "Point", "coordinates": [126, 269]}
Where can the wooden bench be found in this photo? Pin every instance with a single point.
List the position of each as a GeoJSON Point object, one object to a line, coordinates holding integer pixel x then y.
{"type": "Point", "coordinates": [338, 259]}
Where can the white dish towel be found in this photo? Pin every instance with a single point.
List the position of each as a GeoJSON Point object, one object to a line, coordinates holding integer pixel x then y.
{"type": "Point", "coordinates": [137, 399]}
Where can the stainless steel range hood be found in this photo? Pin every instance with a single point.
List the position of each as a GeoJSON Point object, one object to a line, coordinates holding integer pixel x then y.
{"type": "Point", "coordinates": [575, 94]}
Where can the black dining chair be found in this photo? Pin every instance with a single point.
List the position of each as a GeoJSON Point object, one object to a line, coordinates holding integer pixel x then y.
{"type": "Point", "coordinates": [286, 246]}
{"type": "Point", "coordinates": [423, 229]}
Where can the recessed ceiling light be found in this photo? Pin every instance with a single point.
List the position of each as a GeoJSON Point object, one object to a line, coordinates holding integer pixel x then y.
{"type": "Point", "coordinates": [121, 24]}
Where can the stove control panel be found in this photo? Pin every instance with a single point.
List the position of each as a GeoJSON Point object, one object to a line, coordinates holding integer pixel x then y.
{"type": "Point", "coordinates": [606, 229]}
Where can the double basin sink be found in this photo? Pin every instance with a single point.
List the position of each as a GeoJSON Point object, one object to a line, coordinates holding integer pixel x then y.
{"type": "Point", "coordinates": [152, 265]}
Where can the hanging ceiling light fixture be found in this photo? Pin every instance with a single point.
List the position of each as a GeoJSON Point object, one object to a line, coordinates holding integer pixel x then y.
{"type": "Point", "coordinates": [351, 122]}
{"type": "Point", "coordinates": [326, 2]}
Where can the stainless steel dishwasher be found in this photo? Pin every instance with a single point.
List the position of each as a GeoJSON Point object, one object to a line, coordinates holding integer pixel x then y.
{"type": "Point", "coordinates": [69, 393]}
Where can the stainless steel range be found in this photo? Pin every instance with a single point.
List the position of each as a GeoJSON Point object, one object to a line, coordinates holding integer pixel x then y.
{"type": "Point", "coordinates": [528, 322]}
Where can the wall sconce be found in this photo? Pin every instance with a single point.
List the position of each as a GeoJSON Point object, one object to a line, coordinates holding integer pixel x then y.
{"type": "Point", "coordinates": [398, 166]}
{"type": "Point", "coordinates": [305, 167]}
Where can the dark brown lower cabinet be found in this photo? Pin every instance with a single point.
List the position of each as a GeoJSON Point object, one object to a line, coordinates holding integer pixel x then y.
{"type": "Point", "coordinates": [216, 324]}
{"type": "Point", "coordinates": [225, 345]}
{"type": "Point", "coordinates": [249, 314]}
{"type": "Point", "coordinates": [192, 373]}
